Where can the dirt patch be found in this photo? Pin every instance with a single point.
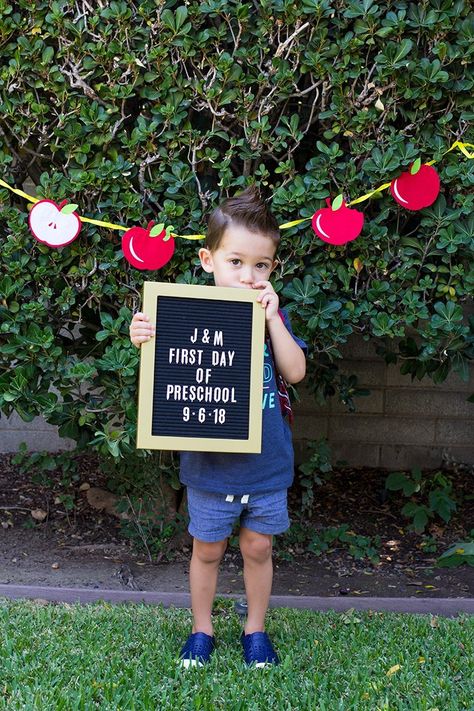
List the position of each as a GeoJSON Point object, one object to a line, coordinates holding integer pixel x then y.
{"type": "Point", "coordinates": [77, 546]}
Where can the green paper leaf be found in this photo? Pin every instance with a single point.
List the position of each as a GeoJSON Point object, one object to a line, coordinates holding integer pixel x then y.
{"type": "Point", "coordinates": [68, 209]}
{"type": "Point", "coordinates": [169, 231]}
{"type": "Point", "coordinates": [337, 202]}
{"type": "Point", "coordinates": [416, 166]}
{"type": "Point", "coordinates": [157, 230]}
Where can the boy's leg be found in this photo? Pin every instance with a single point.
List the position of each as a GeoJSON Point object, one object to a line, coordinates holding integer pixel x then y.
{"type": "Point", "coordinates": [203, 581]}
{"type": "Point", "coordinates": [256, 551]}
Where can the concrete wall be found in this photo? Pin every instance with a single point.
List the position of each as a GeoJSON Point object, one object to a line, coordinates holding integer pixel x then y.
{"type": "Point", "coordinates": [400, 424]}
{"type": "Point", "coordinates": [37, 434]}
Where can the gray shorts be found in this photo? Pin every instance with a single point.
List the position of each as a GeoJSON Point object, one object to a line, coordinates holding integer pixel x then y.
{"type": "Point", "coordinates": [212, 516]}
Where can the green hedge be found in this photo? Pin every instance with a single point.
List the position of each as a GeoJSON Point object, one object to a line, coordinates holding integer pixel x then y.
{"type": "Point", "coordinates": [156, 110]}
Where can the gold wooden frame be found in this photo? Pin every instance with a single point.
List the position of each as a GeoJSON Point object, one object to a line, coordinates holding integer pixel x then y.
{"type": "Point", "coordinates": [145, 440]}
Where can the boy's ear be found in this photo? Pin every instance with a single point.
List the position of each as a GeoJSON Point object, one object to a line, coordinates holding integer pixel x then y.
{"type": "Point", "coordinates": [206, 260]}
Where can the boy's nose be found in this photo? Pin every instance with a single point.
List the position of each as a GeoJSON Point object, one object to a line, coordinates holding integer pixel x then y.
{"type": "Point", "coordinates": [246, 277]}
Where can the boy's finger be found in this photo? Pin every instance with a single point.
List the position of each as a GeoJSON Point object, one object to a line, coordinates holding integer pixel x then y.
{"type": "Point", "coordinates": [140, 317]}
{"type": "Point", "coordinates": [142, 324]}
{"type": "Point", "coordinates": [141, 332]}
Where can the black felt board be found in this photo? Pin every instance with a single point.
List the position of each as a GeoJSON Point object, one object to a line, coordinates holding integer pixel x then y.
{"type": "Point", "coordinates": [224, 409]}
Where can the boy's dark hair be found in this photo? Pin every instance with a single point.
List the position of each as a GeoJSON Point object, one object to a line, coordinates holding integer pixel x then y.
{"type": "Point", "coordinates": [246, 209]}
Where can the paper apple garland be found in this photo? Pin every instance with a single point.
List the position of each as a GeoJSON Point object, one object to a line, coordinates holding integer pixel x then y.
{"type": "Point", "coordinates": [149, 248]}
{"type": "Point", "coordinates": [53, 224]}
{"type": "Point", "coordinates": [337, 224]}
{"type": "Point", "coordinates": [417, 188]}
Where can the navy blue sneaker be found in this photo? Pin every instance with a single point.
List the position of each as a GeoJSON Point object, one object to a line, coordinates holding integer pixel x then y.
{"type": "Point", "coordinates": [197, 650]}
{"type": "Point", "coordinates": [258, 650]}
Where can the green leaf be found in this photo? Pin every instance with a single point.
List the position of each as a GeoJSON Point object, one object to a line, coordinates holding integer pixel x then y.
{"type": "Point", "coordinates": [415, 166]}
{"type": "Point", "coordinates": [69, 208]}
{"type": "Point", "coordinates": [459, 553]}
{"type": "Point", "coordinates": [47, 55]}
{"type": "Point", "coordinates": [168, 19]}
{"type": "Point", "coordinates": [302, 291]}
{"type": "Point", "coordinates": [420, 519]}
{"type": "Point", "coordinates": [337, 202]}
{"type": "Point", "coordinates": [394, 54]}
{"type": "Point", "coordinates": [106, 320]}
{"type": "Point", "coordinates": [157, 230]}
{"type": "Point", "coordinates": [395, 481]}
{"type": "Point", "coordinates": [181, 15]}
{"type": "Point", "coordinates": [447, 315]}
{"type": "Point", "coordinates": [102, 335]}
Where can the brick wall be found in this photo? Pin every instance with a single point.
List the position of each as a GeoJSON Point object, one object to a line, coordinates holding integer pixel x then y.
{"type": "Point", "coordinates": [400, 424]}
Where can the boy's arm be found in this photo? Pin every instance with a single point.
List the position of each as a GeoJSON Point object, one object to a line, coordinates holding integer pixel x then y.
{"type": "Point", "coordinates": [141, 330]}
{"type": "Point", "coordinates": [290, 359]}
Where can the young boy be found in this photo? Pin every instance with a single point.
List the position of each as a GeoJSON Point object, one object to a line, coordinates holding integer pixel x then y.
{"type": "Point", "coordinates": [242, 240]}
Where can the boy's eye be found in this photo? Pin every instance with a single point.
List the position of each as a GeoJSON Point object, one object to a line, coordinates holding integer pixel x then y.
{"type": "Point", "coordinates": [262, 265]}
{"type": "Point", "coordinates": [235, 262]}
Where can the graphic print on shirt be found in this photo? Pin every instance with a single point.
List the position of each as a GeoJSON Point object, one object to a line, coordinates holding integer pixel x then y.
{"type": "Point", "coordinates": [268, 401]}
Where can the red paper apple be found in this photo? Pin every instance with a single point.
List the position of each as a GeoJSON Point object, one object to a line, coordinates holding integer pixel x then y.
{"type": "Point", "coordinates": [337, 224]}
{"type": "Point", "coordinates": [418, 189]}
{"type": "Point", "coordinates": [52, 224]}
{"type": "Point", "coordinates": [147, 251]}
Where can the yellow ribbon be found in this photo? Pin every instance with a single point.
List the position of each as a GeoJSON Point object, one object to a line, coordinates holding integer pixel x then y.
{"type": "Point", "coordinates": [18, 192]}
{"type": "Point", "coordinates": [292, 224]}
{"type": "Point", "coordinates": [462, 148]}
{"type": "Point", "coordinates": [457, 144]}
{"type": "Point", "coordinates": [368, 195]}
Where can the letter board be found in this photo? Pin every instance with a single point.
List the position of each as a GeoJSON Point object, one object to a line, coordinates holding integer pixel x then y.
{"type": "Point", "coordinates": [201, 377]}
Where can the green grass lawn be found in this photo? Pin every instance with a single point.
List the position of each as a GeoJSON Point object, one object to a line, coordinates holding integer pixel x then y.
{"type": "Point", "coordinates": [124, 657]}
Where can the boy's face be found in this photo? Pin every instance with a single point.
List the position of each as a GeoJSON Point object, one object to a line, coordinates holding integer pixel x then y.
{"type": "Point", "coordinates": [242, 259]}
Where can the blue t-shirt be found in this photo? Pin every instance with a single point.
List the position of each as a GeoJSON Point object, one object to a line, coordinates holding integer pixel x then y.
{"type": "Point", "coordinates": [234, 473]}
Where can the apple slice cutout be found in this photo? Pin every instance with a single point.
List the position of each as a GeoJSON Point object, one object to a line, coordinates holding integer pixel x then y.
{"type": "Point", "coordinates": [147, 251]}
{"type": "Point", "coordinates": [53, 224]}
{"type": "Point", "coordinates": [337, 225]}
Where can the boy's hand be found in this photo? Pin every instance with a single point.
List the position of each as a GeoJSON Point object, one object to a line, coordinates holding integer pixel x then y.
{"type": "Point", "coordinates": [268, 298]}
{"type": "Point", "coordinates": [141, 330]}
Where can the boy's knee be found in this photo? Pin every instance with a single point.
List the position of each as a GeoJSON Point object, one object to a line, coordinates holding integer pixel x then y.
{"type": "Point", "coordinates": [256, 546]}
{"type": "Point", "coordinates": [209, 552]}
